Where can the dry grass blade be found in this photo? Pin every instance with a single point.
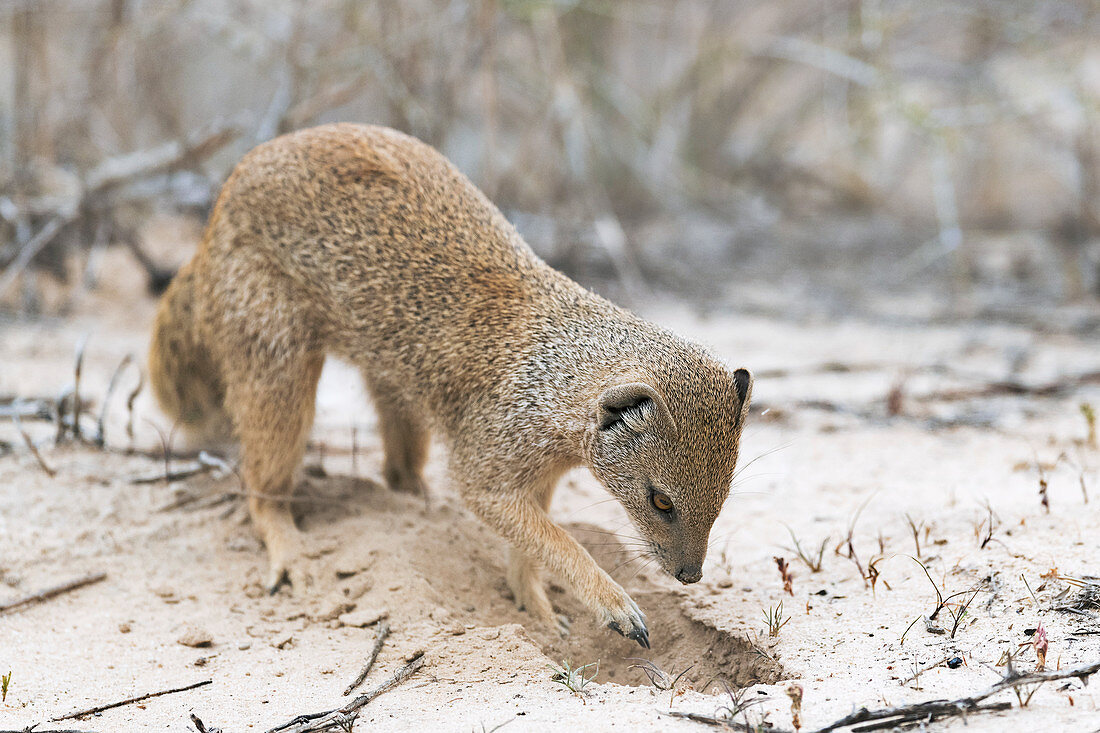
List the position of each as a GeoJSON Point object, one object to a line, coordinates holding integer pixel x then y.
{"type": "Point", "coordinates": [1088, 596]}
{"type": "Point", "coordinates": [659, 678]}
{"type": "Point", "coordinates": [724, 716]}
{"type": "Point", "coordinates": [78, 371]}
{"type": "Point", "coordinates": [814, 564]}
{"type": "Point", "coordinates": [100, 434]}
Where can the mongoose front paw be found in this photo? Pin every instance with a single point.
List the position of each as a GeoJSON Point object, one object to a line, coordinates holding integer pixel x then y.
{"type": "Point", "coordinates": [630, 622]}
{"type": "Point", "coordinates": [290, 573]}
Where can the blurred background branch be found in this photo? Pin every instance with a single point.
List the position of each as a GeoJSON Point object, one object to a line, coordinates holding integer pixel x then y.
{"type": "Point", "coordinates": [750, 155]}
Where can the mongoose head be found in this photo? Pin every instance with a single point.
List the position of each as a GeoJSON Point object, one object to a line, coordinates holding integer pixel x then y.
{"type": "Point", "coordinates": [666, 446]}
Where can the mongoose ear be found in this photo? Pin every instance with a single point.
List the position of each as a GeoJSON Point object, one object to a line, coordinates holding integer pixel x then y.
{"type": "Point", "coordinates": [742, 384]}
{"type": "Point", "coordinates": [635, 406]}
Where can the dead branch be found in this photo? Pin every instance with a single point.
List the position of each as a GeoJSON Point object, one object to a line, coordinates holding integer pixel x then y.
{"type": "Point", "coordinates": [203, 464]}
{"type": "Point", "coordinates": [1015, 388]}
{"type": "Point", "coordinates": [122, 169]}
{"type": "Point", "coordinates": [111, 174]}
{"type": "Point", "coordinates": [35, 245]}
{"type": "Point", "coordinates": [33, 408]}
{"type": "Point", "coordinates": [379, 640]}
{"type": "Point", "coordinates": [36, 729]}
{"type": "Point", "coordinates": [49, 593]}
{"type": "Point", "coordinates": [30, 444]}
{"type": "Point", "coordinates": [889, 717]}
{"type": "Point", "coordinates": [332, 719]}
{"type": "Point", "coordinates": [922, 711]}
{"type": "Point", "coordinates": [129, 701]}
{"type": "Point", "coordinates": [1057, 388]}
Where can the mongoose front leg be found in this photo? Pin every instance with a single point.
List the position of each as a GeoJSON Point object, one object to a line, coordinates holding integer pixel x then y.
{"type": "Point", "coordinates": [526, 525]}
{"type": "Point", "coordinates": [525, 577]}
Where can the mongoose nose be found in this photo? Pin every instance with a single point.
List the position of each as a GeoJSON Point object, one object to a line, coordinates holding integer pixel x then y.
{"type": "Point", "coordinates": [689, 574]}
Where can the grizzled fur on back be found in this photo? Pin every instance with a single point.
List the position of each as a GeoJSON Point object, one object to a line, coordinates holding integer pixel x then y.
{"type": "Point", "coordinates": [365, 243]}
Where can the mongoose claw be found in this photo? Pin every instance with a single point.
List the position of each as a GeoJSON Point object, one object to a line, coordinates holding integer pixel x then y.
{"type": "Point", "coordinates": [291, 576]}
{"type": "Point", "coordinates": [276, 581]}
{"type": "Point", "coordinates": [640, 635]}
{"type": "Point", "coordinates": [632, 624]}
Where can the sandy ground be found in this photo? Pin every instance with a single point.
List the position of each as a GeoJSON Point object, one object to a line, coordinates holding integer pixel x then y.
{"type": "Point", "coordinates": [821, 458]}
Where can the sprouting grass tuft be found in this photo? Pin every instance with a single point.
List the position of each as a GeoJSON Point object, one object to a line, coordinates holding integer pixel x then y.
{"type": "Point", "coordinates": [572, 678]}
{"type": "Point", "coordinates": [773, 617]}
{"type": "Point", "coordinates": [1090, 420]}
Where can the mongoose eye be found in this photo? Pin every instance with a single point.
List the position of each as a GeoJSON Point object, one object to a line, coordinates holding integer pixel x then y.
{"type": "Point", "coordinates": [661, 502]}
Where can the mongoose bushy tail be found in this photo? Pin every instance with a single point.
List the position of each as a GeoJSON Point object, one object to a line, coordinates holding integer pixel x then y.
{"type": "Point", "coordinates": [184, 379]}
{"type": "Point", "coordinates": [367, 244]}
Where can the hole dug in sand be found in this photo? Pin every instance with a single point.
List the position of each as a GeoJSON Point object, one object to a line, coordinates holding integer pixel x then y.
{"type": "Point", "coordinates": [678, 641]}
{"type": "Point", "coordinates": [459, 564]}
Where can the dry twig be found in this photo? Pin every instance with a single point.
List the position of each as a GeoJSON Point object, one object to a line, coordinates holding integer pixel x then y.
{"type": "Point", "coordinates": [100, 431]}
{"type": "Point", "coordinates": [204, 463]}
{"type": "Point", "coordinates": [335, 719]}
{"type": "Point", "coordinates": [129, 701]}
{"type": "Point", "coordinates": [379, 640]}
{"type": "Point", "coordinates": [924, 712]}
{"type": "Point", "coordinates": [109, 175]}
{"type": "Point", "coordinates": [49, 593]}
{"type": "Point", "coordinates": [201, 727]}
{"type": "Point", "coordinates": [30, 443]}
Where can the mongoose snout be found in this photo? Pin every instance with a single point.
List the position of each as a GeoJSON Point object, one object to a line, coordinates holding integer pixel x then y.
{"type": "Point", "coordinates": [365, 243]}
{"type": "Point", "coordinates": [690, 574]}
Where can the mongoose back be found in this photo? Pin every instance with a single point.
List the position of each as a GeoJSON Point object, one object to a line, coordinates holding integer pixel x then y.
{"type": "Point", "coordinates": [365, 243]}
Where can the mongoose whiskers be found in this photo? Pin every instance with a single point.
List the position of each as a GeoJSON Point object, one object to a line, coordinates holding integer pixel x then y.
{"type": "Point", "coordinates": [367, 244]}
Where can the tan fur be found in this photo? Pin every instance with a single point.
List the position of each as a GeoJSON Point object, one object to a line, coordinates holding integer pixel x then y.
{"type": "Point", "coordinates": [365, 243]}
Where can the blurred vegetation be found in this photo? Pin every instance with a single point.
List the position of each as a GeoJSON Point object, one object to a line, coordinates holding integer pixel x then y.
{"type": "Point", "coordinates": [755, 154]}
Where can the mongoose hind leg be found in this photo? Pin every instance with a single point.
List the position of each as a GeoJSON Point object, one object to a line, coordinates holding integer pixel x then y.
{"type": "Point", "coordinates": [273, 411]}
{"type": "Point", "coordinates": [525, 578]}
{"type": "Point", "coordinates": [405, 438]}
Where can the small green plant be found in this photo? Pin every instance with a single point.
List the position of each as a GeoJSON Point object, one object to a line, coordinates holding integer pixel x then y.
{"type": "Point", "coordinates": [773, 617]}
{"type": "Point", "coordinates": [1090, 420]}
{"type": "Point", "coordinates": [572, 678]}
{"type": "Point", "coordinates": [5, 682]}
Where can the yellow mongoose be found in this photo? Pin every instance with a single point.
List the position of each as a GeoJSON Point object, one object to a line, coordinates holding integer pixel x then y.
{"type": "Point", "coordinates": [368, 244]}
